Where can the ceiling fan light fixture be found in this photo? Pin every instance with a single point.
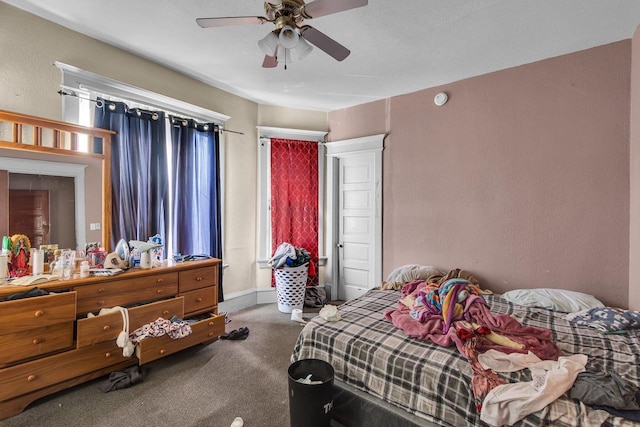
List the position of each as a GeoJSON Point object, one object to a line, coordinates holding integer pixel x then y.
{"type": "Point", "coordinates": [303, 48]}
{"type": "Point", "coordinates": [269, 43]}
{"type": "Point", "coordinates": [288, 37]}
{"type": "Point", "coordinates": [284, 55]}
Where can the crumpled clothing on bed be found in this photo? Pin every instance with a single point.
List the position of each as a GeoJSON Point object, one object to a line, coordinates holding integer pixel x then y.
{"type": "Point", "coordinates": [432, 327]}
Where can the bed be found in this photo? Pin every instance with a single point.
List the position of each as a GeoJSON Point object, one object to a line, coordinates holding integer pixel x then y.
{"type": "Point", "coordinates": [385, 378]}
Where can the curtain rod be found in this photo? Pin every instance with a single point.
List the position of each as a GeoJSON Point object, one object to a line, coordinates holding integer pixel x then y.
{"type": "Point", "coordinates": [63, 93]}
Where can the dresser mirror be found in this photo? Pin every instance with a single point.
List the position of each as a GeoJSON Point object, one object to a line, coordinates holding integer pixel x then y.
{"type": "Point", "coordinates": [52, 187]}
{"type": "Point", "coordinates": [43, 207]}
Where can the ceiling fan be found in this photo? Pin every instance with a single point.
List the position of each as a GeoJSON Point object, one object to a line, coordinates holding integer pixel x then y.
{"type": "Point", "coordinates": [291, 33]}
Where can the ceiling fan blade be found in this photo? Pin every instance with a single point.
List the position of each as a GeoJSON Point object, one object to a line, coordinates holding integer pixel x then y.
{"type": "Point", "coordinates": [325, 43]}
{"type": "Point", "coordinates": [233, 20]}
{"type": "Point", "coordinates": [318, 8]}
{"type": "Point", "coordinates": [269, 62]}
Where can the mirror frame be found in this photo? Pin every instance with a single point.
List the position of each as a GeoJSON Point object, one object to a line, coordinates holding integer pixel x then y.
{"type": "Point", "coordinates": [64, 141]}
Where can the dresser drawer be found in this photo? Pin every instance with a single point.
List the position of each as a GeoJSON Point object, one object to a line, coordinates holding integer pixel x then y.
{"type": "Point", "coordinates": [93, 330]}
{"type": "Point", "coordinates": [104, 327]}
{"type": "Point", "coordinates": [148, 313]}
{"type": "Point", "coordinates": [35, 342]}
{"type": "Point", "coordinates": [93, 298]}
{"type": "Point", "coordinates": [198, 278]}
{"type": "Point", "coordinates": [30, 376]}
{"type": "Point", "coordinates": [36, 312]}
{"type": "Point", "coordinates": [199, 301]}
{"type": "Point", "coordinates": [209, 329]}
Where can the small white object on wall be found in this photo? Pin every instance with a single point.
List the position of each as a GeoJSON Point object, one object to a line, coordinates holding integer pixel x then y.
{"type": "Point", "coordinates": [440, 99]}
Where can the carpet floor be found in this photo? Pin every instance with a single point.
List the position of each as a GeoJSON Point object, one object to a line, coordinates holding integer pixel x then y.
{"type": "Point", "coordinates": [207, 385]}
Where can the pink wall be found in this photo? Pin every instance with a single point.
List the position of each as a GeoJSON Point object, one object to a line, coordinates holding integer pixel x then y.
{"type": "Point", "coordinates": [522, 178]}
{"type": "Point", "coordinates": [634, 231]}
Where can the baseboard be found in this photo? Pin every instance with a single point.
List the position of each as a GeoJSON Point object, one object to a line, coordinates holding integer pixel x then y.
{"type": "Point", "coordinates": [238, 301]}
{"type": "Point", "coordinates": [250, 297]}
{"type": "Point", "coordinates": [266, 296]}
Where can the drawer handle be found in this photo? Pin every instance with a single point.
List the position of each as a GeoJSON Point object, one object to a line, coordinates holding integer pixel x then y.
{"type": "Point", "coordinates": [106, 328]}
{"type": "Point", "coordinates": [101, 290]}
{"type": "Point", "coordinates": [159, 291]}
{"type": "Point", "coordinates": [160, 280]}
{"type": "Point", "coordinates": [210, 334]}
{"type": "Point", "coordinates": [199, 299]}
{"type": "Point", "coordinates": [210, 323]}
{"type": "Point", "coordinates": [39, 313]}
{"type": "Point", "coordinates": [37, 341]}
{"type": "Point", "coordinates": [166, 312]}
{"type": "Point", "coordinates": [100, 302]}
{"type": "Point", "coordinates": [31, 377]}
{"type": "Point", "coordinates": [107, 355]}
{"type": "Point", "coordinates": [163, 351]}
{"type": "Point", "coordinates": [198, 279]}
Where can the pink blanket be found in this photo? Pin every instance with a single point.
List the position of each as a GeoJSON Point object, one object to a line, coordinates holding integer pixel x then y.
{"type": "Point", "coordinates": [536, 340]}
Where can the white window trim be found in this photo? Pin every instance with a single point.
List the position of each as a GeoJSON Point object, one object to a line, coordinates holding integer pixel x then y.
{"type": "Point", "coordinates": [85, 81]}
{"type": "Point", "coordinates": [73, 170]}
{"type": "Point", "coordinates": [264, 186]}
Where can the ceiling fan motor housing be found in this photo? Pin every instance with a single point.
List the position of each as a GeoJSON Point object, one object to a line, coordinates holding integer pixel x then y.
{"type": "Point", "coordinates": [288, 12]}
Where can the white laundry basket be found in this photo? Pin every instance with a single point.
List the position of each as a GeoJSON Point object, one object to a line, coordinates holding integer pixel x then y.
{"type": "Point", "coordinates": [291, 283]}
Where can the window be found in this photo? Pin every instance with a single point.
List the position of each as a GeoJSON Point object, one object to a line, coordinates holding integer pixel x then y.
{"type": "Point", "coordinates": [85, 87]}
{"type": "Point", "coordinates": [265, 247]}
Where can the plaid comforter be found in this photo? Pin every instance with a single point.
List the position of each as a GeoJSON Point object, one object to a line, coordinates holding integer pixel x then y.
{"type": "Point", "coordinates": [434, 382]}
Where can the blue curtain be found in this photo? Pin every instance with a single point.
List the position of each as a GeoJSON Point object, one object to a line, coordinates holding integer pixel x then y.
{"type": "Point", "coordinates": [197, 228]}
{"type": "Point", "coordinates": [139, 186]}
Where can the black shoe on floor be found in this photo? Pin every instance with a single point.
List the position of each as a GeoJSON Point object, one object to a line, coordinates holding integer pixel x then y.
{"type": "Point", "coordinates": [236, 334]}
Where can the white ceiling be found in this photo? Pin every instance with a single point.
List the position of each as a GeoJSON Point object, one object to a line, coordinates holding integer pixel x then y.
{"type": "Point", "coordinates": [397, 46]}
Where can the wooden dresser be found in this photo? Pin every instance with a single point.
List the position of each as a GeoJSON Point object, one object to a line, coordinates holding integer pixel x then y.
{"type": "Point", "coordinates": [47, 343]}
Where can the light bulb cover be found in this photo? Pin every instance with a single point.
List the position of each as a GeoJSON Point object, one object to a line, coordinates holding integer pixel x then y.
{"type": "Point", "coordinates": [303, 48]}
{"type": "Point", "coordinates": [284, 54]}
{"type": "Point", "coordinates": [288, 37]}
{"type": "Point", "coordinates": [269, 43]}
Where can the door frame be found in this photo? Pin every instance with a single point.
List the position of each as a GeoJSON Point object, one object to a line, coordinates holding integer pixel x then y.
{"type": "Point", "coordinates": [335, 151]}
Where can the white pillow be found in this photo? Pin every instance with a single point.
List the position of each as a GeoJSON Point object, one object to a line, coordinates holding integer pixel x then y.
{"type": "Point", "coordinates": [410, 272]}
{"type": "Point", "coordinates": [553, 299]}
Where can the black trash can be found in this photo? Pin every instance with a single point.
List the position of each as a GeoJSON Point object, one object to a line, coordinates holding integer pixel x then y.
{"type": "Point", "coordinates": [310, 405]}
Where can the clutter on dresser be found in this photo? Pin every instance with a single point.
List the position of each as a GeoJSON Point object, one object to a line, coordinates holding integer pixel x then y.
{"type": "Point", "coordinates": [146, 254]}
{"type": "Point", "coordinates": [95, 254]}
{"type": "Point", "coordinates": [18, 247]}
{"type": "Point", "coordinates": [33, 280]}
{"type": "Point", "coordinates": [102, 272]}
{"type": "Point", "coordinates": [185, 258]}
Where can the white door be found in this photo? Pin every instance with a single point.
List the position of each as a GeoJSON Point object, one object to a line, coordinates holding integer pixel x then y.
{"type": "Point", "coordinates": [355, 174]}
{"type": "Point", "coordinates": [356, 224]}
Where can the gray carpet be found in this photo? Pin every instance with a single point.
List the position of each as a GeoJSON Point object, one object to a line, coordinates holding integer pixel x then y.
{"type": "Point", "coordinates": [208, 385]}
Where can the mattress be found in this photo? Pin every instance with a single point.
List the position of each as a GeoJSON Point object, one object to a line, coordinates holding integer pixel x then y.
{"type": "Point", "coordinates": [433, 382]}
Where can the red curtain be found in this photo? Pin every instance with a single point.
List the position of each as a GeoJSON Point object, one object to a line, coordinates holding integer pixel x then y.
{"type": "Point", "coordinates": [294, 196]}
